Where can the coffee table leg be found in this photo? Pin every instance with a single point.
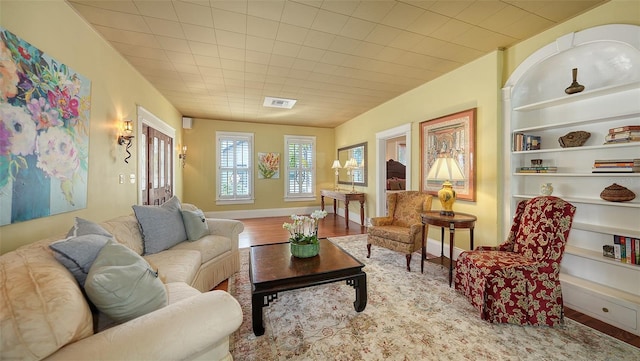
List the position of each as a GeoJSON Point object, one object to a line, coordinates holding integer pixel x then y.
{"type": "Point", "coordinates": [360, 284]}
{"type": "Point", "coordinates": [257, 302]}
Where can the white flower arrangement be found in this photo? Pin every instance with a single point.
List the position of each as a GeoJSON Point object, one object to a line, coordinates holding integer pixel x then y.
{"type": "Point", "coordinates": [304, 229]}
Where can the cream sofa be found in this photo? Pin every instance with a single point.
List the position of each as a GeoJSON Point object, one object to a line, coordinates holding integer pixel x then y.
{"type": "Point", "coordinates": [45, 315]}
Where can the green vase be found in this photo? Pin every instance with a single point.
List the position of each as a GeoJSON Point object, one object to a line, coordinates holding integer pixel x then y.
{"type": "Point", "coordinates": [305, 250]}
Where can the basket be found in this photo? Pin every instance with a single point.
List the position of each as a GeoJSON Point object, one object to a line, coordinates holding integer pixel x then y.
{"type": "Point", "coordinates": [617, 193]}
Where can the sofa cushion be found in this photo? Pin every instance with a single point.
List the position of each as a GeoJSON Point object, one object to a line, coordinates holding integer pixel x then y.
{"type": "Point", "coordinates": [195, 224]}
{"type": "Point", "coordinates": [162, 227]}
{"type": "Point", "coordinates": [209, 246]}
{"type": "Point", "coordinates": [78, 253]}
{"type": "Point", "coordinates": [176, 265]}
{"type": "Point", "coordinates": [123, 285]}
{"type": "Point", "coordinates": [126, 230]}
{"type": "Point", "coordinates": [83, 227]}
{"type": "Point", "coordinates": [41, 306]}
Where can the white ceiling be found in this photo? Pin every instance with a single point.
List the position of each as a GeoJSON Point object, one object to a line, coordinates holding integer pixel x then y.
{"type": "Point", "coordinates": [219, 59]}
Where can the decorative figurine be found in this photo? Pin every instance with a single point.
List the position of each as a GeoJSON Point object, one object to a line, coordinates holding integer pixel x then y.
{"type": "Point", "coordinates": [574, 139]}
{"type": "Point", "coordinates": [575, 87]}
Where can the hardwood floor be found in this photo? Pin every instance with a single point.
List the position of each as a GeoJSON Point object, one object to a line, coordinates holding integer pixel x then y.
{"type": "Point", "coordinates": [269, 230]}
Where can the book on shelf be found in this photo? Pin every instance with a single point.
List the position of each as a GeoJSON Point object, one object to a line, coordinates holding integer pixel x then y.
{"type": "Point", "coordinates": [616, 170]}
{"type": "Point", "coordinates": [626, 249]}
{"type": "Point", "coordinates": [625, 128]}
{"type": "Point", "coordinates": [623, 136]}
{"type": "Point", "coordinates": [539, 169]}
{"type": "Point", "coordinates": [523, 141]}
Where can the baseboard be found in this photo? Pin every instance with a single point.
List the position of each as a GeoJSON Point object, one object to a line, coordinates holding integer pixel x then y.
{"type": "Point", "coordinates": [263, 213]}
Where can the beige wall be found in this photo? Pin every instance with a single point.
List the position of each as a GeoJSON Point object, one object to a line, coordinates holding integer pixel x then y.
{"type": "Point", "coordinates": [116, 90]}
{"type": "Point", "coordinates": [200, 168]}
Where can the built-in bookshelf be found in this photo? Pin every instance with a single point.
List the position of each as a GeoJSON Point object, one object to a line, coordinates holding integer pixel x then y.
{"type": "Point", "coordinates": [535, 103]}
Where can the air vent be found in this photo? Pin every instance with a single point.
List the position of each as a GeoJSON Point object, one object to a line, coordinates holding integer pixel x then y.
{"type": "Point", "coordinates": [279, 103]}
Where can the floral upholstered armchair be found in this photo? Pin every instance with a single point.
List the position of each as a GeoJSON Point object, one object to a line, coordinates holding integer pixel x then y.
{"type": "Point", "coordinates": [518, 281]}
{"type": "Point", "coordinates": [401, 229]}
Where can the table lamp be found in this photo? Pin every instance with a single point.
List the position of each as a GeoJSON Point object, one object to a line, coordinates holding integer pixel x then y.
{"type": "Point", "coordinates": [446, 169]}
{"type": "Point", "coordinates": [351, 165]}
{"type": "Point", "coordinates": [336, 165]}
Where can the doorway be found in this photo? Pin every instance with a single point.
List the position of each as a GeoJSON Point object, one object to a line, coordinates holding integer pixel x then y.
{"type": "Point", "coordinates": [381, 163]}
{"type": "Point", "coordinates": [156, 160]}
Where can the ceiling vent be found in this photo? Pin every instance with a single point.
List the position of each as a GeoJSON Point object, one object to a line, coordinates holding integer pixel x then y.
{"type": "Point", "coordinates": [279, 103]}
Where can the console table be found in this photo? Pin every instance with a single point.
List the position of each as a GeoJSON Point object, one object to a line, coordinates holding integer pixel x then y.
{"type": "Point", "coordinates": [346, 197]}
{"type": "Point", "coordinates": [459, 220]}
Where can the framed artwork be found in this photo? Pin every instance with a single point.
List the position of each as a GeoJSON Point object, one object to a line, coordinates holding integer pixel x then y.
{"type": "Point", "coordinates": [451, 136]}
{"type": "Point", "coordinates": [268, 165]}
{"type": "Point", "coordinates": [44, 133]}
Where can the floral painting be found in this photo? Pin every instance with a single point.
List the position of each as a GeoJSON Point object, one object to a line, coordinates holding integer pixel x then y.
{"type": "Point", "coordinates": [268, 165]}
{"type": "Point", "coordinates": [44, 133]}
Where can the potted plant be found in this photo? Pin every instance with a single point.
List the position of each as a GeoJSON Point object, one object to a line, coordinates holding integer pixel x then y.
{"type": "Point", "coordinates": [303, 234]}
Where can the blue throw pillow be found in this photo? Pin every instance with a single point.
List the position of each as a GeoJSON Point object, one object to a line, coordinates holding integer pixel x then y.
{"type": "Point", "coordinates": [161, 227]}
{"type": "Point", "coordinates": [77, 254]}
{"type": "Point", "coordinates": [195, 224]}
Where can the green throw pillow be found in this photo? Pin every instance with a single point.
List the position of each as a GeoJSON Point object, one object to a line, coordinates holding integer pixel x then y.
{"type": "Point", "coordinates": [122, 285]}
{"type": "Point", "coordinates": [162, 226]}
{"type": "Point", "coordinates": [195, 224]}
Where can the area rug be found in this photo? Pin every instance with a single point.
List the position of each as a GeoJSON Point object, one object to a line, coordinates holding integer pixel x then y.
{"type": "Point", "coordinates": [409, 316]}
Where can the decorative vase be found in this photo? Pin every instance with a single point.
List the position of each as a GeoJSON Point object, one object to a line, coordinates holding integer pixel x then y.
{"type": "Point", "coordinates": [305, 250]}
{"type": "Point", "coordinates": [447, 197]}
{"type": "Point", "coordinates": [546, 189]}
{"type": "Point", "coordinates": [575, 87]}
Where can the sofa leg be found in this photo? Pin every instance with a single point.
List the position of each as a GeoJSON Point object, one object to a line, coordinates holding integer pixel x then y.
{"type": "Point", "coordinates": [368, 250]}
{"type": "Point", "coordinates": [409, 262]}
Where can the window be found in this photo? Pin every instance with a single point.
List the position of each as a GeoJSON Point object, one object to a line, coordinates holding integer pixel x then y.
{"type": "Point", "coordinates": [235, 169]}
{"type": "Point", "coordinates": [300, 167]}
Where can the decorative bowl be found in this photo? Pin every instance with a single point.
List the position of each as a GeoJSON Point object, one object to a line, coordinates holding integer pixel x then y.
{"type": "Point", "coordinates": [617, 193]}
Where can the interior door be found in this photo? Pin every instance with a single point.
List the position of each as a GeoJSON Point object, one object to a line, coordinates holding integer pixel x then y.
{"type": "Point", "coordinates": [158, 168]}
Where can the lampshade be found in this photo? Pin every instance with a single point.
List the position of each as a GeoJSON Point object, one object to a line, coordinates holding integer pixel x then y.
{"type": "Point", "coordinates": [351, 164]}
{"type": "Point", "coordinates": [336, 164]}
{"type": "Point", "coordinates": [445, 169]}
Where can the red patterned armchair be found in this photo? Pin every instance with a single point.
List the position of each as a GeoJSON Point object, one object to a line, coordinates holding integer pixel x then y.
{"type": "Point", "coordinates": [518, 281]}
{"type": "Point", "coordinates": [401, 229]}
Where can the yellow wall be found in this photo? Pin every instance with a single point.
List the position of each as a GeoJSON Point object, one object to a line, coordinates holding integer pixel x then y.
{"type": "Point", "coordinates": [475, 85]}
{"type": "Point", "coordinates": [200, 168]}
{"type": "Point", "coordinates": [116, 90]}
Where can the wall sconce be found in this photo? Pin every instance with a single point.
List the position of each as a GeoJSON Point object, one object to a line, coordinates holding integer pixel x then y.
{"type": "Point", "coordinates": [446, 169]}
{"type": "Point", "coordinates": [183, 155]}
{"type": "Point", "coordinates": [336, 165]}
{"type": "Point", "coordinates": [127, 127]}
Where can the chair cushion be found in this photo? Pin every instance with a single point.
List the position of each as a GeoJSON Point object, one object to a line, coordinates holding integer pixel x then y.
{"type": "Point", "coordinates": [123, 285]}
{"type": "Point", "coordinates": [162, 227]}
{"type": "Point", "coordinates": [394, 233]}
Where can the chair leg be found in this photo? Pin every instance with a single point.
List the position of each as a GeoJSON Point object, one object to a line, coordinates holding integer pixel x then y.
{"type": "Point", "coordinates": [409, 262]}
{"type": "Point", "coordinates": [368, 250]}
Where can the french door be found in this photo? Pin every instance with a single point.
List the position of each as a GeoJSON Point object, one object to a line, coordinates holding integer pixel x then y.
{"type": "Point", "coordinates": [157, 187]}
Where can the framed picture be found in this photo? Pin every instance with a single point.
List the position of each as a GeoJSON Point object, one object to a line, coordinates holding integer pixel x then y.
{"type": "Point", "coordinates": [268, 165]}
{"type": "Point", "coordinates": [452, 136]}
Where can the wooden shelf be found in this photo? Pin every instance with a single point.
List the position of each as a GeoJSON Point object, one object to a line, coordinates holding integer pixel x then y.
{"type": "Point", "coordinates": [597, 256]}
{"type": "Point", "coordinates": [635, 233]}
{"type": "Point", "coordinates": [577, 97]}
{"type": "Point", "coordinates": [598, 201]}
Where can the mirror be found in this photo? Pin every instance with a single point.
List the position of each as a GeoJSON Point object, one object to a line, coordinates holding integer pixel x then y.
{"type": "Point", "coordinates": [359, 153]}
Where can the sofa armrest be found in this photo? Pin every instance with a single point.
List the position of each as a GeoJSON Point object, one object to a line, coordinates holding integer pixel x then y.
{"type": "Point", "coordinates": [175, 332]}
{"type": "Point", "coordinates": [226, 227]}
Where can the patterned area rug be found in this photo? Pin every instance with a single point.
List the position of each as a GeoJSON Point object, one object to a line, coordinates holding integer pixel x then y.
{"type": "Point", "coordinates": [409, 316]}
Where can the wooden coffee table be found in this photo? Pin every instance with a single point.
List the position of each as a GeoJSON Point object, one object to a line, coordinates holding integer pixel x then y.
{"type": "Point", "coordinates": [273, 269]}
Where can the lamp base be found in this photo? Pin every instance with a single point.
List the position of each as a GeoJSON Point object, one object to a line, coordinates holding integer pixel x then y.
{"type": "Point", "coordinates": [447, 197]}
